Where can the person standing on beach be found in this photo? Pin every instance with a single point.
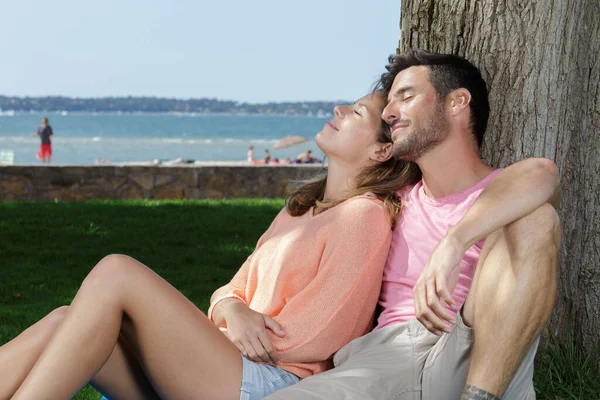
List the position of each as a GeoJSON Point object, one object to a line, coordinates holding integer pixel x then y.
{"type": "Point", "coordinates": [251, 154]}
{"type": "Point", "coordinates": [267, 156]}
{"type": "Point", "coordinates": [46, 134]}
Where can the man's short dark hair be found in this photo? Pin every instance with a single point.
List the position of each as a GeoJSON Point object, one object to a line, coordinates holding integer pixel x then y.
{"type": "Point", "coordinates": [447, 72]}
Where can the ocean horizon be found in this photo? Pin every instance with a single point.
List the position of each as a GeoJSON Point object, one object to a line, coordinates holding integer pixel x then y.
{"type": "Point", "coordinates": [85, 138]}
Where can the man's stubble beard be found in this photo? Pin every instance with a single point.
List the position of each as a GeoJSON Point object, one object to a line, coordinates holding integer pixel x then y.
{"type": "Point", "coordinates": [420, 141]}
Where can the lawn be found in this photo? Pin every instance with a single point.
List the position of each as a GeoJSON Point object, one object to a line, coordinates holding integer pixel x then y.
{"type": "Point", "coordinates": [48, 248]}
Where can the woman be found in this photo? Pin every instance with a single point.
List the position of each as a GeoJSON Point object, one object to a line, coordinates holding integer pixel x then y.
{"type": "Point", "coordinates": [309, 288]}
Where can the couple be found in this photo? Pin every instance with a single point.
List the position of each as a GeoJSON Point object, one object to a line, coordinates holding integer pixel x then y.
{"type": "Point", "coordinates": [468, 283]}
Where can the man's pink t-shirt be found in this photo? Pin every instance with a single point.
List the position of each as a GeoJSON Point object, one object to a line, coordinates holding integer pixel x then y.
{"type": "Point", "coordinates": [423, 223]}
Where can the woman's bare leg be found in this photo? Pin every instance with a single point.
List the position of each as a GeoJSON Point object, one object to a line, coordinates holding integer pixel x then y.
{"type": "Point", "coordinates": [18, 356]}
{"type": "Point", "coordinates": [120, 378]}
{"type": "Point", "coordinates": [183, 354]}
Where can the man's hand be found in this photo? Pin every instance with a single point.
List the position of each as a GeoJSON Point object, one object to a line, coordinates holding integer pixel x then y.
{"type": "Point", "coordinates": [247, 329]}
{"type": "Point", "coordinates": [433, 290]}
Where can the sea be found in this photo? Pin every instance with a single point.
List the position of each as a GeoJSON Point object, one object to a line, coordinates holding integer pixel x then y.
{"type": "Point", "coordinates": [90, 138]}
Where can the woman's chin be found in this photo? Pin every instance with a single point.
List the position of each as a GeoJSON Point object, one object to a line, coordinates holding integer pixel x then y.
{"type": "Point", "coordinates": [321, 143]}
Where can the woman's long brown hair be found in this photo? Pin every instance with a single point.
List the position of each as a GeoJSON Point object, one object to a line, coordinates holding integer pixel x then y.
{"type": "Point", "coordinates": [383, 180]}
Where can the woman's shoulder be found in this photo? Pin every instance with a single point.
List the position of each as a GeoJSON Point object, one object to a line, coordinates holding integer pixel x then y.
{"type": "Point", "coordinates": [361, 214]}
{"type": "Point", "coordinates": [366, 200]}
{"type": "Point", "coordinates": [365, 204]}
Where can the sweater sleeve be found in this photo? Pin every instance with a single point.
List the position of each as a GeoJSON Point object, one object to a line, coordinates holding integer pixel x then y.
{"type": "Point", "coordinates": [338, 305]}
{"type": "Point", "coordinates": [236, 288]}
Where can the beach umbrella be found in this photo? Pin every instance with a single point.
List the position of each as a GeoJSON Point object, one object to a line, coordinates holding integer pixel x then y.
{"type": "Point", "coordinates": [289, 141]}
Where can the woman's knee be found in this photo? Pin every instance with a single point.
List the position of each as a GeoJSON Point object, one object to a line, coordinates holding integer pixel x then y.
{"type": "Point", "coordinates": [58, 314]}
{"type": "Point", "coordinates": [112, 270]}
{"type": "Point", "coordinates": [49, 323]}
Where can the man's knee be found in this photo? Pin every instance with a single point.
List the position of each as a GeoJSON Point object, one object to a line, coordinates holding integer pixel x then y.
{"type": "Point", "coordinates": [533, 243]}
{"type": "Point", "coordinates": [536, 232]}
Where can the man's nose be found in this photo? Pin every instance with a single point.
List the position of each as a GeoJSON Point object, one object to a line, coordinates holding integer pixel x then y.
{"type": "Point", "coordinates": [388, 114]}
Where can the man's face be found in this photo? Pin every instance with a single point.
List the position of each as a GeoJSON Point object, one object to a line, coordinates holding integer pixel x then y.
{"type": "Point", "coordinates": [44, 122]}
{"type": "Point", "coordinates": [415, 114]}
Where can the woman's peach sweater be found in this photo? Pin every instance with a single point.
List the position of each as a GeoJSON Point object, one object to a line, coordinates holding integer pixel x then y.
{"type": "Point", "coordinates": [319, 276]}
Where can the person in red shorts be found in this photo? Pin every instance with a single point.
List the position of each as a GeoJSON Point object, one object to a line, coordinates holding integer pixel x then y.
{"type": "Point", "coordinates": [45, 133]}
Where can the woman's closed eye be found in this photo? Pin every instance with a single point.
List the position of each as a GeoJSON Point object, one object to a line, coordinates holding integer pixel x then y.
{"type": "Point", "coordinates": [356, 112]}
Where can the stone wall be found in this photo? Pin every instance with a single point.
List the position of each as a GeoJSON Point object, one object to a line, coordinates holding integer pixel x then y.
{"type": "Point", "coordinates": [149, 182]}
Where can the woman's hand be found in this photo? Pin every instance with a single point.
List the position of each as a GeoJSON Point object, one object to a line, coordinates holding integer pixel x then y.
{"type": "Point", "coordinates": [247, 329]}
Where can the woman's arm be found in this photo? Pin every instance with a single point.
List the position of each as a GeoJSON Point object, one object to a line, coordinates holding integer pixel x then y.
{"type": "Point", "coordinates": [247, 329]}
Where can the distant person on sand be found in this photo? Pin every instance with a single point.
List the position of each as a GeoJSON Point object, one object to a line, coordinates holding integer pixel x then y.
{"type": "Point", "coordinates": [304, 158]}
{"type": "Point", "coordinates": [251, 154]}
{"type": "Point", "coordinates": [267, 156]}
{"type": "Point", "coordinates": [45, 133]}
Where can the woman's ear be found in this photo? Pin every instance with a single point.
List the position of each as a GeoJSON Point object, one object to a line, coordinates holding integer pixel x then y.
{"type": "Point", "coordinates": [382, 152]}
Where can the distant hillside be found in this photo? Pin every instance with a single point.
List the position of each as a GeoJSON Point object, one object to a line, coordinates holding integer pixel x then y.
{"type": "Point", "coordinates": [155, 104]}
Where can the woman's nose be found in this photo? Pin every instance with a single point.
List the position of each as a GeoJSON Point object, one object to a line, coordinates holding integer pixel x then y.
{"type": "Point", "coordinates": [337, 111]}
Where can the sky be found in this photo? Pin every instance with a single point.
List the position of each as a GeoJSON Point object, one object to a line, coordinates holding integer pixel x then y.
{"type": "Point", "coordinates": [242, 50]}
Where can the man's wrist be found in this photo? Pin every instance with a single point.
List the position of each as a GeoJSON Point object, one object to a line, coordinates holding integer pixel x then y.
{"type": "Point", "coordinates": [457, 236]}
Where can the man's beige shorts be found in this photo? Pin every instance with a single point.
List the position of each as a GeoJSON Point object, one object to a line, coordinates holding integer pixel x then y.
{"type": "Point", "coordinates": [402, 362]}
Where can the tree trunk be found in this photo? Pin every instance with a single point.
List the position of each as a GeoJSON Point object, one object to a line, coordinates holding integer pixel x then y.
{"type": "Point", "coordinates": [541, 61]}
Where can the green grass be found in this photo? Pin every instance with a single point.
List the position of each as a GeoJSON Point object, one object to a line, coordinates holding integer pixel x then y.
{"type": "Point", "coordinates": [566, 372]}
{"type": "Point", "coordinates": [47, 249]}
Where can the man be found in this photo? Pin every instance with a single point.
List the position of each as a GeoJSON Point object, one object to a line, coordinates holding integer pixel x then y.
{"type": "Point", "coordinates": [460, 316]}
{"type": "Point", "coordinates": [45, 133]}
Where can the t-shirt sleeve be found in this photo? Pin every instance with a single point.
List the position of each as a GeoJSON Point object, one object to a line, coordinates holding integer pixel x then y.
{"type": "Point", "coordinates": [236, 288]}
{"type": "Point", "coordinates": [337, 306]}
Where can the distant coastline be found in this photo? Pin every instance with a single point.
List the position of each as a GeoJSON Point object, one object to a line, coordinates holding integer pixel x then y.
{"type": "Point", "coordinates": [132, 104]}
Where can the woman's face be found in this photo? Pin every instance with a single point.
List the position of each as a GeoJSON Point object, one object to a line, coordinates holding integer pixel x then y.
{"type": "Point", "coordinates": [349, 136]}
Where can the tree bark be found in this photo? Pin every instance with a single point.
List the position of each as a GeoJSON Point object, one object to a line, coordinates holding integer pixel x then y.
{"type": "Point", "coordinates": [541, 60]}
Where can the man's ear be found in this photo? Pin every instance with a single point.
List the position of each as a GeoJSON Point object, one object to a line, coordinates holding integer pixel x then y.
{"type": "Point", "coordinates": [459, 100]}
{"type": "Point", "coordinates": [382, 152]}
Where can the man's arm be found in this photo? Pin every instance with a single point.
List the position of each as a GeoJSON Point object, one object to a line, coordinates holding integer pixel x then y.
{"type": "Point", "coordinates": [514, 193]}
